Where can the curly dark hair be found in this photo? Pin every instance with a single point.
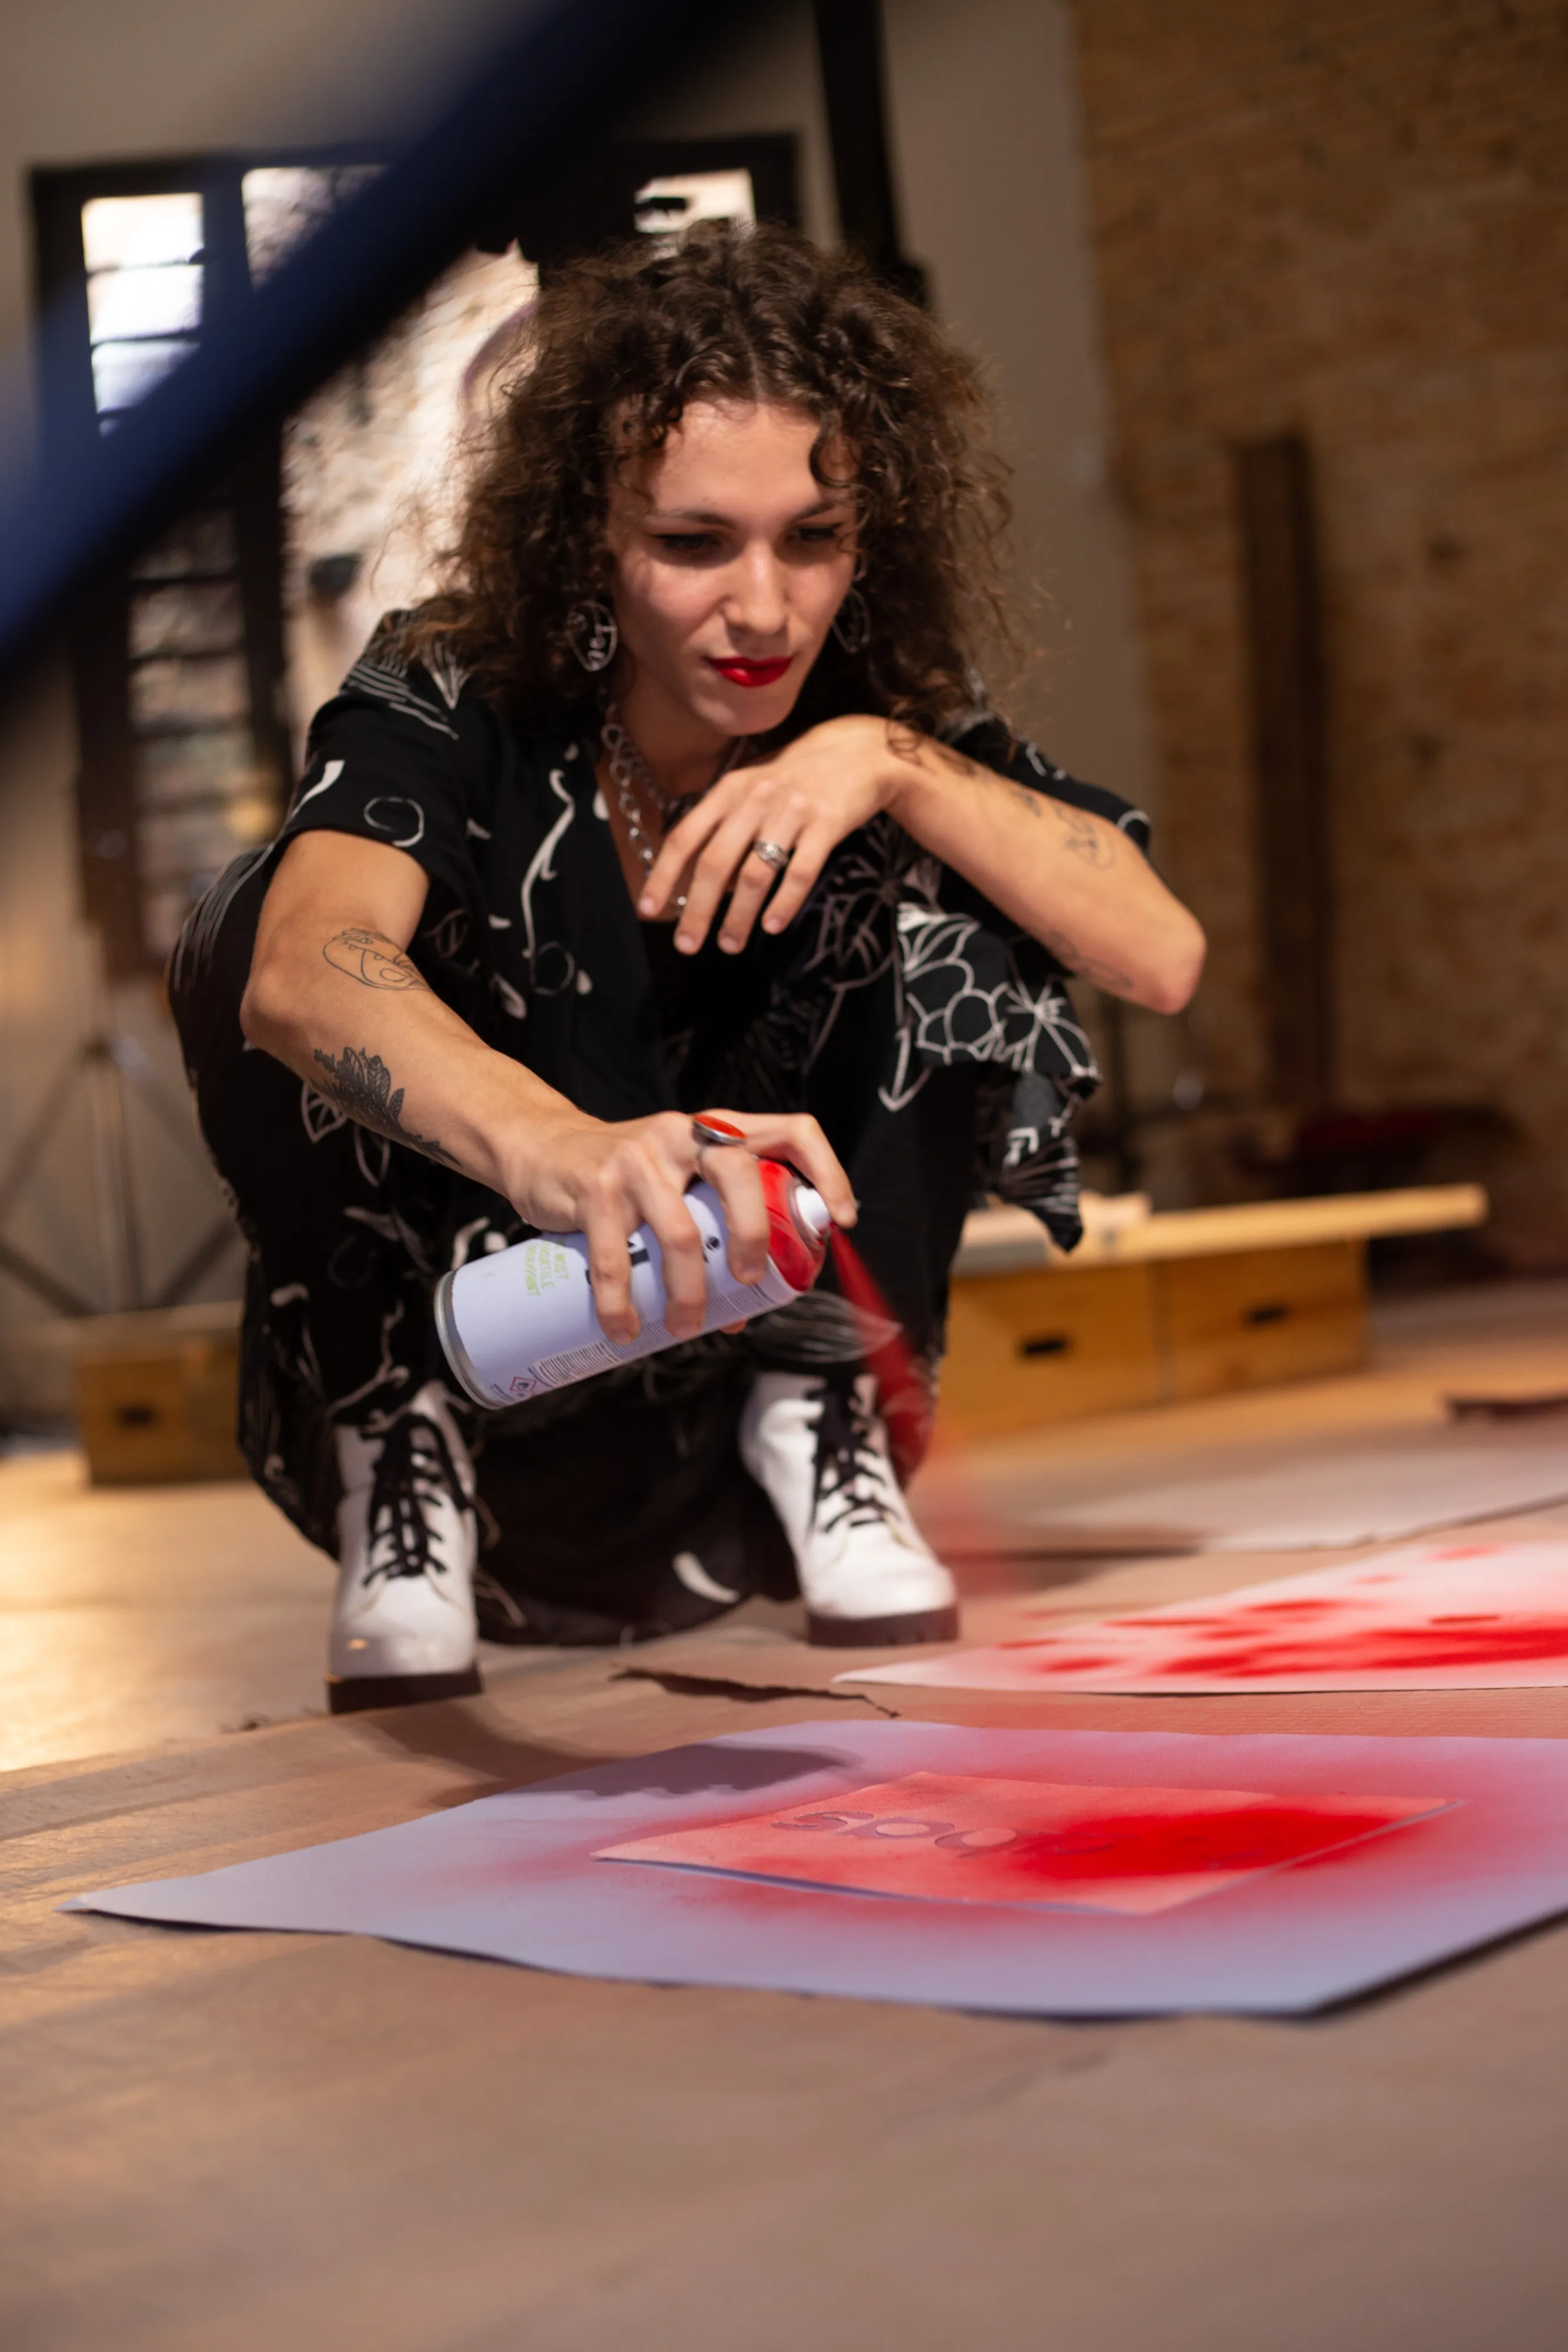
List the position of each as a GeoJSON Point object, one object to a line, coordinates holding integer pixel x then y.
{"type": "Point", "coordinates": [617, 345]}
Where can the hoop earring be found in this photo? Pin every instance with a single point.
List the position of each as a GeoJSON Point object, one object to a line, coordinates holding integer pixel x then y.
{"type": "Point", "coordinates": [591, 634]}
{"type": "Point", "coordinates": [852, 622]}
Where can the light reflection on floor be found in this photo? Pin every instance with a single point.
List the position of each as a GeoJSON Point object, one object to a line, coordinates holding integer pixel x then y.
{"type": "Point", "coordinates": [133, 1617]}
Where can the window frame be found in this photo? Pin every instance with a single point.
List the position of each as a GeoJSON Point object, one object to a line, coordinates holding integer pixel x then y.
{"type": "Point", "coordinates": [594, 201]}
{"type": "Point", "coordinates": [98, 633]}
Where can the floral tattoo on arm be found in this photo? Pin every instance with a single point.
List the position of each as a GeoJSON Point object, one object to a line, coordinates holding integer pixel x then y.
{"type": "Point", "coordinates": [361, 1084]}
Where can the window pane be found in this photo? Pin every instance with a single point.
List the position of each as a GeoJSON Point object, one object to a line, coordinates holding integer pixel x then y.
{"type": "Point", "coordinates": [131, 232]}
{"type": "Point", "coordinates": [218, 766]}
{"type": "Point", "coordinates": [203, 618]}
{"type": "Point", "coordinates": [198, 542]}
{"type": "Point", "coordinates": [170, 695]}
{"type": "Point", "coordinates": [123, 374]}
{"type": "Point", "coordinates": [200, 799]}
{"type": "Point", "coordinates": [159, 301]}
{"type": "Point", "coordinates": [664, 207]}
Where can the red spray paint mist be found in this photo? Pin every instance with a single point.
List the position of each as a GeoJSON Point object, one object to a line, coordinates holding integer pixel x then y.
{"type": "Point", "coordinates": [903, 1394]}
{"type": "Point", "coordinates": [904, 1397]}
{"type": "Point", "coordinates": [523, 1321]}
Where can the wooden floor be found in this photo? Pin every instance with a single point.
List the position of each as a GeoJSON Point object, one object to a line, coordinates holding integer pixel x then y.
{"type": "Point", "coordinates": [234, 2142]}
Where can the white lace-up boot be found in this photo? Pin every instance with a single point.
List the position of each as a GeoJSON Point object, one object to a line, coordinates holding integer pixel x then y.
{"type": "Point", "coordinates": [402, 1620]}
{"type": "Point", "coordinates": [818, 1450]}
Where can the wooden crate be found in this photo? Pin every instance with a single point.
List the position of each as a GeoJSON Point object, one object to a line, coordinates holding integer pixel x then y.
{"type": "Point", "coordinates": [160, 1415]}
{"type": "Point", "coordinates": [1256, 1317]}
{"type": "Point", "coordinates": [1184, 1303]}
{"type": "Point", "coordinates": [1024, 1349]}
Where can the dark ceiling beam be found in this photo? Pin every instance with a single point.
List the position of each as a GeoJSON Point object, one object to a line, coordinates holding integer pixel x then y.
{"type": "Point", "coordinates": [852, 51]}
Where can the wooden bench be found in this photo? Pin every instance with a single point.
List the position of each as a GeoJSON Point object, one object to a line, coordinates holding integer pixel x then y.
{"type": "Point", "coordinates": [1152, 1308]}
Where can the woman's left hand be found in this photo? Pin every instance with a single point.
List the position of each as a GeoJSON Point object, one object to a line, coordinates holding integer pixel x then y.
{"type": "Point", "coordinates": [825, 784]}
{"type": "Point", "coordinates": [1068, 879]}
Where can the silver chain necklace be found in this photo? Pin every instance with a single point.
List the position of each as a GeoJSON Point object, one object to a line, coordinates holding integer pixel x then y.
{"type": "Point", "coordinates": [630, 773]}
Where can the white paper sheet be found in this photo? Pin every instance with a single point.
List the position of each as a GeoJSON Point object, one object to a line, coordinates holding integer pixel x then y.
{"type": "Point", "coordinates": [1457, 1616]}
{"type": "Point", "coordinates": [515, 1877]}
{"type": "Point", "coordinates": [1332, 1502]}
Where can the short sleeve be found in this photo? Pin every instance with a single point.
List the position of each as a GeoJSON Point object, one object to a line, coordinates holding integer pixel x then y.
{"type": "Point", "coordinates": [401, 755]}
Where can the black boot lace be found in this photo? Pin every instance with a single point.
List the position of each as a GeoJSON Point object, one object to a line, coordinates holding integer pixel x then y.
{"type": "Point", "coordinates": [854, 1484]}
{"type": "Point", "coordinates": [415, 1471]}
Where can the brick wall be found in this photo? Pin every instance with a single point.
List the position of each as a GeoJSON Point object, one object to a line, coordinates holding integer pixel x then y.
{"type": "Point", "coordinates": [1348, 218]}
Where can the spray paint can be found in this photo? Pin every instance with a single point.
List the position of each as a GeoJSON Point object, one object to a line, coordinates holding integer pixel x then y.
{"type": "Point", "coordinates": [523, 1320]}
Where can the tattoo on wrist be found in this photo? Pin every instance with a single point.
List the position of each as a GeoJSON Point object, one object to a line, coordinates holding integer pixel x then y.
{"type": "Point", "coordinates": [361, 1084]}
{"type": "Point", "coordinates": [925, 752]}
{"type": "Point", "coordinates": [373, 959]}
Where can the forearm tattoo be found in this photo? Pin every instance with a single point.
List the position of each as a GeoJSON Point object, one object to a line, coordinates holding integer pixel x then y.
{"type": "Point", "coordinates": [1085, 837]}
{"type": "Point", "coordinates": [361, 1084]}
{"type": "Point", "coordinates": [373, 959]}
{"type": "Point", "coordinates": [1104, 975]}
{"type": "Point", "coordinates": [1093, 842]}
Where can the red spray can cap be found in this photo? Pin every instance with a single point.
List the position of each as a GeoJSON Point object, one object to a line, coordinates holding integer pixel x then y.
{"type": "Point", "coordinates": [797, 1224]}
{"type": "Point", "coordinates": [799, 1219]}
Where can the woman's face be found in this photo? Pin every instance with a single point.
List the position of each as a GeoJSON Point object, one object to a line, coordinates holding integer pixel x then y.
{"type": "Point", "coordinates": [731, 559]}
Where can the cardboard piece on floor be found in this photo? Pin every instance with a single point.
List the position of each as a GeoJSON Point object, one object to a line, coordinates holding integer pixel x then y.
{"type": "Point", "coordinates": [954, 1838]}
{"type": "Point", "coordinates": [1322, 1502]}
{"type": "Point", "coordinates": [1480, 1616]}
{"type": "Point", "coordinates": [514, 1877]}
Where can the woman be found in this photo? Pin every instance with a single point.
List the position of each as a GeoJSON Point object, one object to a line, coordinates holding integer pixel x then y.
{"type": "Point", "coordinates": [680, 798]}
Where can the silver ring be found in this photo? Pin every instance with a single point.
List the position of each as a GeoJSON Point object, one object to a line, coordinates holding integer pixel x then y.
{"type": "Point", "coordinates": [772, 853]}
{"type": "Point", "coordinates": [707, 1138]}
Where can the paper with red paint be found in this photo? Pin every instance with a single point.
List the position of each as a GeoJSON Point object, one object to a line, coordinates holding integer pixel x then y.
{"type": "Point", "coordinates": [514, 1877]}
{"type": "Point", "coordinates": [1454, 1616]}
{"type": "Point", "coordinates": [949, 1839]}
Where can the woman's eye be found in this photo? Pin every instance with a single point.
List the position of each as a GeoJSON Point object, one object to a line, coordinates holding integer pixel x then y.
{"type": "Point", "coordinates": [819, 534]}
{"type": "Point", "coordinates": [684, 542]}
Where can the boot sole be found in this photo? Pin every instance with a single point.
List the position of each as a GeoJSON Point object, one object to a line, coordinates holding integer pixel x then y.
{"type": "Point", "coordinates": [354, 1694]}
{"type": "Point", "coordinates": [883, 1633]}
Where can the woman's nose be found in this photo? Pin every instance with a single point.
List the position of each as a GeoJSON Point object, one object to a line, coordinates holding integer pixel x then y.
{"type": "Point", "coordinates": [758, 602]}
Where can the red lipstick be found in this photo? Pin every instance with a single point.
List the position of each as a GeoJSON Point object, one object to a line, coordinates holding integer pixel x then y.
{"type": "Point", "coordinates": [741, 672]}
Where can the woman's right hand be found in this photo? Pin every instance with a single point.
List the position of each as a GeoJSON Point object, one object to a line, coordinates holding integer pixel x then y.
{"type": "Point", "coordinates": [333, 994]}
{"type": "Point", "coordinates": [578, 1175]}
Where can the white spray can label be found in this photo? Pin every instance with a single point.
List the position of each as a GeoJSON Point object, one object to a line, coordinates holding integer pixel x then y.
{"type": "Point", "coordinates": [522, 1322]}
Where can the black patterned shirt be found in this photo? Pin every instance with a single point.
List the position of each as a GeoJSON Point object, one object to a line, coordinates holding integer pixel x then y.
{"type": "Point", "coordinates": [528, 932]}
